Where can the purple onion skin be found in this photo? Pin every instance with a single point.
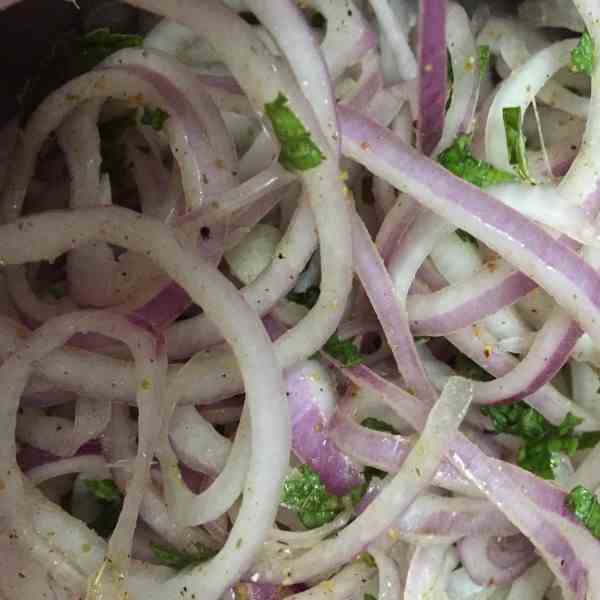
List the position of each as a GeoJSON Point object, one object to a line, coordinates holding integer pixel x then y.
{"type": "Point", "coordinates": [165, 307]}
{"type": "Point", "coordinates": [310, 435]}
{"type": "Point", "coordinates": [29, 457]}
{"type": "Point", "coordinates": [311, 443]}
{"type": "Point", "coordinates": [492, 561]}
{"type": "Point", "coordinates": [433, 73]}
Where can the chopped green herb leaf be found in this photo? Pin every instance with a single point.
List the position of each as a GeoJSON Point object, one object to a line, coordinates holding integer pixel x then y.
{"type": "Point", "coordinates": [484, 59]}
{"type": "Point", "coordinates": [586, 508]}
{"type": "Point", "coordinates": [582, 56]}
{"type": "Point", "coordinates": [378, 425]}
{"type": "Point", "coordinates": [180, 560]}
{"type": "Point", "coordinates": [110, 501]}
{"type": "Point", "coordinates": [305, 494]}
{"type": "Point", "coordinates": [369, 597]}
{"type": "Point", "coordinates": [307, 298]}
{"type": "Point", "coordinates": [543, 457]}
{"type": "Point", "coordinates": [466, 237]}
{"type": "Point", "coordinates": [104, 489]}
{"type": "Point", "coordinates": [515, 140]}
{"type": "Point", "coordinates": [101, 43]}
{"type": "Point", "coordinates": [518, 419]}
{"type": "Point", "coordinates": [344, 351]}
{"type": "Point", "coordinates": [155, 117]}
{"type": "Point", "coordinates": [298, 151]}
{"type": "Point", "coordinates": [356, 493]}
{"type": "Point", "coordinates": [544, 442]}
{"type": "Point", "coordinates": [459, 160]}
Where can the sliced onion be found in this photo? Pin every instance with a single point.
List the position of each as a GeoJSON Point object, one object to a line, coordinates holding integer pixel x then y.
{"type": "Point", "coordinates": [491, 561]}
{"type": "Point", "coordinates": [429, 570]}
{"type": "Point", "coordinates": [312, 397]}
{"type": "Point", "coordinates": [416, 473]}
{"type": "Point", "coordinates": [433, 73]}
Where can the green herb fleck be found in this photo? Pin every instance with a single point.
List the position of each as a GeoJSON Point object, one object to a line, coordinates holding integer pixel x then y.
{"type": "Point", "coordinates": [110, 501]}
{"type": "Point", "coordinates": [104, 489]}
{"type": "Point", "coordinates": [344, 351]}
{"type": "Point", "coordinates": [459, 160]}
{"type": "Point", "coordinates": [155, 117]}
{"type": "Point", "coordinates": [356, 493]}
{"type": "Point", "coordinates": [305, 494]}
{"type": "Point", "coordinates": [515, 141]}
{"type": "Point", "coordinates": [586, 508]}
{"type": "Point", "coordinates": [582, 56]}
{"type": "Point", "coordinates": [544, 442]}
{"type": "Point", "coordinates": [369, 597]}
{"type": "Point", "coordinates": [298, 151]}
{"type": "Point", "coordinates": [378, 425]}
{"type": "Point", "coordinates": [307, 298]}
{"type": "Point", "coordinates": [180, 560]}
{"type": "Point", "coordinates": [101, 43]}
{"type": "Point", "coordinates": [484, 59]}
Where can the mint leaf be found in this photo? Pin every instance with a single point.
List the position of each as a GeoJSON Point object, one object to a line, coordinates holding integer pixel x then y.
{"type": "Point", "coordinates": [298, 151]}
{"type": "Point", "coordinates": [459, 161]}
{"type": "Point", "coordinates": [101, 43]}
{"type": "Point", "coordinates": [544, 442]}
{"type": "Point", "coordinates": [180, 560]}
{"type": "Point", "coordinates": [154, 117]}
{"type": "Point", "coordinates": [344, 351]}
{"type": "Point", "coordinates": [110, 501]}
{"type": "Point", "coordinates": [582, 56]}
{"type": "Point", "coordinates": [584, 505]}
{"type": "Point", "coordinates": [104, 489]}
{"type": "Point", "coordinates": [515, 141]}
{"type": "Point", "coordinates": [305, 494]}
{"type": "Point", "coordinates": [484, 59]}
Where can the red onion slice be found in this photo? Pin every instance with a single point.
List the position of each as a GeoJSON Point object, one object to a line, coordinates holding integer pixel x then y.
{"type": "Point", "coordinates": [572, 281]}
{"type": "Point", "coordinates": [433, 73]}
{"type": "Point", "coordinates": [312, 398]}
{"type": "Point", "coordinates": [489, 563]}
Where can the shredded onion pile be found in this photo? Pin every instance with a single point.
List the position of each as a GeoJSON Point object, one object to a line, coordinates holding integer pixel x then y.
{"type": "Point", "coordinates": [301, 300]}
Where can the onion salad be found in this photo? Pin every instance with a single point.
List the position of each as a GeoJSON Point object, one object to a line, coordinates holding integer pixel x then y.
{"type": "Point", "coordinates": [302, 300]}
